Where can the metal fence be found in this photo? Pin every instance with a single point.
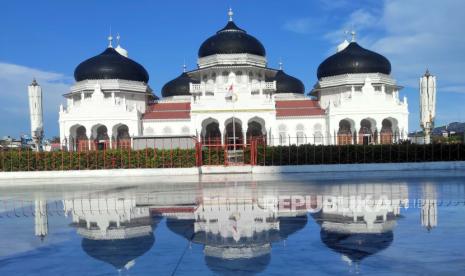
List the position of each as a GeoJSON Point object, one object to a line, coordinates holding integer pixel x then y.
{"type": "Point", "coordinates": [262, 151]}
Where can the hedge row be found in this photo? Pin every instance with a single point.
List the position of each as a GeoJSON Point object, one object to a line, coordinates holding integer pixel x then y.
{"type": "Point", "coordinates": [350, 154]}
{"type": "Point", "coordinates": [266, 156]}
{"type": "Point", "coordinates": [94, 160]}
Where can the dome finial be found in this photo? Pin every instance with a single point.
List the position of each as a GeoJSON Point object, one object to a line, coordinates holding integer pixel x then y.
{"type": "Point", "coordinates": [280, 64]}
{"type": "Point", "coordinates": [230, 14]}
{"type": "Point", "coordinates": [118, 37]}
{"type": "Point", "coordinates": [353, 33]}
{"type": "Point", "coordinates": [427, 73]}
{"type": "Point", "coordinates": [184, 67]}
{"type": "Point", "coordinates": [110, 40]}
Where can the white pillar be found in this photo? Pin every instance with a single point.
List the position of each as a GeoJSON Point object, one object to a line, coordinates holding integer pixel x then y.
{"type": "Point", "coordinates": [222, 131]}
{"type": "Point", "coordinates": [89, 137]}
{"type": "Point", "coordinates": [110, 136]}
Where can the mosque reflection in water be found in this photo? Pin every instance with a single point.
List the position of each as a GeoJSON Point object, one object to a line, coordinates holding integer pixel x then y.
{"type": "Point", "coordinates": [235, 223]}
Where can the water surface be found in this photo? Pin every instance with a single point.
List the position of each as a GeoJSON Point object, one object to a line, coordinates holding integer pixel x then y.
{"type": "Point", "coordinates": [302, 226]}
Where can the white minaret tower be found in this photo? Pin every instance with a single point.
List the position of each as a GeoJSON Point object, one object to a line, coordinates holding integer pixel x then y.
{"type": "Point", "coordinates": [36, 113]}
{"type": "Point", "coordinates": [41, 218]}
{"type": "Point", "coordinates": [427, 104]}
{"type": "Point", "coordinates": [429, 208]}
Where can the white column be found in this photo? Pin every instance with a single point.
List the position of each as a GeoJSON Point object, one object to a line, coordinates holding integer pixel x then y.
{"type": "Point", "coordinates": [357, 130]}
{"type": "Point", "coordinates": [89, 137]}
{"type": "Point", "coordinates": [222, 131]}
{"type": "Point", "coordinates": [110, 136]}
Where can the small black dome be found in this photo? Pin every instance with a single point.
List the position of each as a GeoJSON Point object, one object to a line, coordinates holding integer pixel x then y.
{"type": "Point", "coordinates": [110, 65]}
{"type": "Point", "coordinates": [287, 84]}
{"type": "Point", "coordinates": [354, 59]}
{"type": "Point", "coordinates": [178, 87]}
{"type": "Point", "coordinates": [231, 40]}
{"type": "Point", "coordinates": [357, 246]}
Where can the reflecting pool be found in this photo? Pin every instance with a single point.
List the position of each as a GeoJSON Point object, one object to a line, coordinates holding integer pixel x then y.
{"type": "Point", "coordinates": [301, 226]}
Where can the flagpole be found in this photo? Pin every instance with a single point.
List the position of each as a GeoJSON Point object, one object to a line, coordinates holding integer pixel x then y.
{"type": "Point", "coordinates": [234, 126]}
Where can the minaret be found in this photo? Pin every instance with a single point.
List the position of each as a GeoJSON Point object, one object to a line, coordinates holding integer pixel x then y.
{"type": "Point", "coordinates": [427, 104]}
{"type": "Point", "coordinates": [429, 208]}
{"type": "Point", "coordinates": [36, 113]}
{"type": "Point", "coordinates": [41, 218]}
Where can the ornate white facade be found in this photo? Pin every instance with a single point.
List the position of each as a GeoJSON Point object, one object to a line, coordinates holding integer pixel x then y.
{"type": "Point", "coordinates": [113, 106]}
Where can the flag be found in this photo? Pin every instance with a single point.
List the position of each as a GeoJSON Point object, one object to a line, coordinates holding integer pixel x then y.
{"type": "Point", "coordinates": [229, 93]}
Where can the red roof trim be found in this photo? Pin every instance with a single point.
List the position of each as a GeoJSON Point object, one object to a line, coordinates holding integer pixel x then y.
{"type": "Point", "coordinates": [166, 111]}
{"type": "Point", "coordinates": [298, 108]}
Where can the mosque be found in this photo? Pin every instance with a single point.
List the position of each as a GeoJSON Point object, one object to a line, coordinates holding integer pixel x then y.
{"type": "Point", "coordinates": [233, 96]}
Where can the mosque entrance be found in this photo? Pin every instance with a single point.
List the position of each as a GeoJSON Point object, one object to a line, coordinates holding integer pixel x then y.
{"type": "Point", "coordinates": [365, 134]}
{"type": "Point", "coordinates": [102, 139]}
{"type": "Point", "coordinates": [234, 137]}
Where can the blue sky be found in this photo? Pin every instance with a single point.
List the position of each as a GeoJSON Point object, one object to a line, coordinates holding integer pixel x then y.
{"type": "Point", "coordinates": [48, 39]}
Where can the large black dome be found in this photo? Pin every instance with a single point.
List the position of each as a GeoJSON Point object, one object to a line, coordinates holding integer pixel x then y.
{"type": "Point", "coordinates": [357, 246]}
{"type": "Point", "coordinates": [178, 87]}
{"type": "Point", "coordinates": [231, 40]}
{"type": "Point", "coordinates": [354, 59]}
{"type": "Point", "coordinates": [118, 252]}
{"type": "Point", "coordinates": [287, 84]}
{"type": "Point", "coordinates": [110, 65]}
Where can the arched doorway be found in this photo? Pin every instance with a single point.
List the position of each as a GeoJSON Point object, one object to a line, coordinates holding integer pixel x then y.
{"type": "Point", "coordinates": [386, 132]}
{"type": "Point", "coordinates": [233, 134]}
{"type": "Point", "coordinates": [81, 142]}
{"type": "Point", "coordinates": [344, 133]}
{"type": "Point", "coordinates": [212, 134]}
{"type": "Point", "coordinates": [102, 140]}
{"type": "Point", "coordinates": [255, 131]}
{"type": "Point", "coordinates": [123, 139]}
{"type": "Point", "coordinates": [366, 134]}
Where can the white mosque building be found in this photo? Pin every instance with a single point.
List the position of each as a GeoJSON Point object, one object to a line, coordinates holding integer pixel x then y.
{"type": "Point", "coordinates": [232, 96]}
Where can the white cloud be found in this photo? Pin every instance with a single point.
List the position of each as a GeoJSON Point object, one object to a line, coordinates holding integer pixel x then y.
{"type": "Point", "coordinates": [454, 89]}
{"type": "Point", "coordinates": [14, 80]}
{"type": "Point", "coordinates": [303, 25]}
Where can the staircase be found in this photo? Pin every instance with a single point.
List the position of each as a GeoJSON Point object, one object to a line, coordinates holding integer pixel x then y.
{"type": "Point", "coordinates": [236, 157]}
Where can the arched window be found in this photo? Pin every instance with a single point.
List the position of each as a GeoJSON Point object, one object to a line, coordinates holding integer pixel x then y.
{"type": "Point", "coordinates": [167, 130]}
{"type": "Point", "coordinates": [239, 76]}
{"type": "Point", "coordinates": [148, 130]}
{"type": "Point", "coordinates": [317, 134]}
{"type": "Point", "coordinates": [225, 76]}
{"type": "Point", "coordinates": [185, 130]}
{"type": "Point", "coordinates": [214, 77]}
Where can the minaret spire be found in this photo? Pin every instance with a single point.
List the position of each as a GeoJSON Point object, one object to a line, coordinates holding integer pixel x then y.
{"type": "Point", "coordinates": [353, 33]}
{"type": "Point", "coordinates": [110, 40]}
{"type": "Point", "coordinates": [230, 14]}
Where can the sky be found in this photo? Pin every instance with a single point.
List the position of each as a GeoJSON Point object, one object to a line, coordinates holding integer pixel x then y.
{"type": "Point", "coordinates": [48, 39]}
